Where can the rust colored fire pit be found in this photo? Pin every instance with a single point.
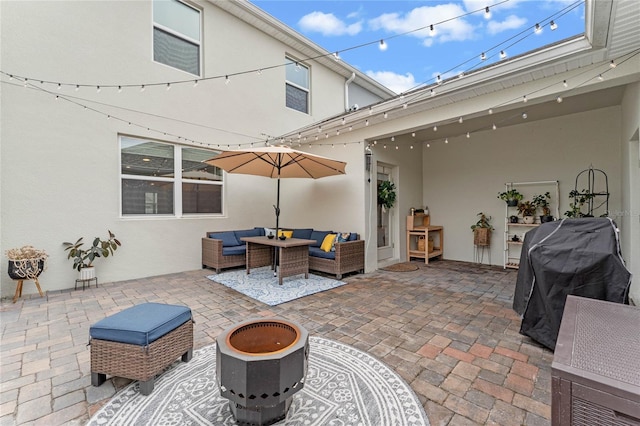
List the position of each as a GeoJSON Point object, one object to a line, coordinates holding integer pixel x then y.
{"type": "Point", "coordinates": [260, 365]}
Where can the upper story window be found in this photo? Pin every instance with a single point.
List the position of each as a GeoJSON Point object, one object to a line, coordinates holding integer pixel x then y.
{"type": "Point", "coordinates": [176, 35]}
{"type": "Point", "coordinates": [164, 179]}
{"type": "Point", "coordinates": [297, 86]}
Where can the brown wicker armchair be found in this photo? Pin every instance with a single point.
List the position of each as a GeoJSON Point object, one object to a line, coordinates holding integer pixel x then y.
{"type": "Point", "coordinates": [212, 256]}
{"type": "Point", "coordinates": [349, 258]}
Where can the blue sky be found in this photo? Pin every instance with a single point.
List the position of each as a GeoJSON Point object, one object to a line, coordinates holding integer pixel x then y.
{"type": "Point", "coordinates": [409, 60]}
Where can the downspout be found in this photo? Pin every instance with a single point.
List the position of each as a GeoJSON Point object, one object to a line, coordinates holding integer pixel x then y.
{"type": "Point", "coordinates": [346, 91]}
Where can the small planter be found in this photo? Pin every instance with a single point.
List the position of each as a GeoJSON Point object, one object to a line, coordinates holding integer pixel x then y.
{"type": "Point", "coordinates": [512, 203]}
{"type": "Point", "coordinates": [482, 236]}
{"type": "Point", "coordinates": [529, 219]}
{"type": "Point", "coordinates": [25, 269]}
{"type": "Point", "coordinates": [87, 273]}
{"type": "Point", "coordinates": [545, 219]}
{"type": "Point", "coordinates": [513, 219]}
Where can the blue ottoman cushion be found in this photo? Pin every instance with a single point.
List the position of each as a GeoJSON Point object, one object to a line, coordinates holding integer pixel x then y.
{"type": "Point", "coordinates": [141, 324]}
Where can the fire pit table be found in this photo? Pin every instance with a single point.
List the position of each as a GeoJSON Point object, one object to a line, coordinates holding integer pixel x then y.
{"type": "Point", "coordinates": [260, 365]}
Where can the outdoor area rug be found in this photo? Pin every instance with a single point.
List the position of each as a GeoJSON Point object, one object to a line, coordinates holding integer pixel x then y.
{"type": "Point", "coordinates": [401, 267]}
{"type": "Point", "coordinates": [344, 386]}
{"type": "Point", "coordinates": [261, 285]}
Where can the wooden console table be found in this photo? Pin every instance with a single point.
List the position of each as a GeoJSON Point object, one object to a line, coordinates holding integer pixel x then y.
{"type": "Point", "coordinates": [416, 232]}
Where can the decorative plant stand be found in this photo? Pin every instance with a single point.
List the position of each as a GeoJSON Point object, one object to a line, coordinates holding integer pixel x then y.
{"type": "Point", "coordinates": [27, 269]}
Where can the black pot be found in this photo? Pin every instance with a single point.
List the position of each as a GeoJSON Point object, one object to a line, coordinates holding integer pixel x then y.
{"type": "Point", "coordinates": [513, 219]}
{"type": "Point", "coordinates": [545, 219]}
{"type": "Point", "coordinates": [25, 269]}
{"type": "Point", "coordinates": [512, 203]}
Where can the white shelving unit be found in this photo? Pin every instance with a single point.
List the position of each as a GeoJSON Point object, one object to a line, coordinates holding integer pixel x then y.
{"type": "Point", "coordinates": [512, 249]}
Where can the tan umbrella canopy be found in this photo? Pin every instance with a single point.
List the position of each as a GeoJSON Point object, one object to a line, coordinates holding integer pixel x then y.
{"type": "Point", "coordinates": [277, 162]}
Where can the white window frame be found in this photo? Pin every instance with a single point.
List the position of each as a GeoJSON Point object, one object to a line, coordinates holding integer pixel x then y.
{"type": "Point", "coordinates": [177, 181]}
{"type": "Point", "coordinates": [180, 36]}
{"type": "Point", "coordinates": [297, 86]}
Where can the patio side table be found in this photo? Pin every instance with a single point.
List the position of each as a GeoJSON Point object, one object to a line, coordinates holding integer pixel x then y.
{"type": "Point", "coordinates": [86, 282]}
{"type": "Point", "coordinates": [595, 374]}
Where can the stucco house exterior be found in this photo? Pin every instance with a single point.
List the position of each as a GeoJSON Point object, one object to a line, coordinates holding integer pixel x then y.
{"type": "Point", "coordinates": [63, 175]}
{"type": "Point", "coordinates": [78, 159]}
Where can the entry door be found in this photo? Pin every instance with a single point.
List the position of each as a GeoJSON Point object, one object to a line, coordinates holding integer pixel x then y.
{"type": "Point", "coordinates": [384, 223]}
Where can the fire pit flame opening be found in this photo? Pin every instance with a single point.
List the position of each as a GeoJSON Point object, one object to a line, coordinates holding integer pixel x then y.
{"type": "Point", "coordinates": [263, 337]}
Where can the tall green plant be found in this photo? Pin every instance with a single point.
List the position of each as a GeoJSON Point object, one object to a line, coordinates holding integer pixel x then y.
{"type": "Point", "coordinates": [386, 194]}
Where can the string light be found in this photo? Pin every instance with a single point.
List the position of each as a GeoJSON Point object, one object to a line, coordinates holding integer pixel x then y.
{"type": "Point", "coordinates": [383, 46]}
{"type": "Point", "coordinates": [524, 115]}
{"type": "Point", "coordinates": [98, 89]}
{"type": "Point", "coordinates": [226, 79]}
{"type": "Point", "coordinates": [600, 77]}
{"type": "Point", "coordinates": [483, 57]}
{"type": "Point", "coordinates": [468, 135]}
{"type": "Point", "coordinates": [553, 26]}
{"type": "Point", "coordinates": [524, 99]}
{"type": "Point", "coordinates": [433, 93]}
{"type": "Point", "coordinates": [446, 140]}
{"type": "Point", "coordinates": [612, 64]}
{"type": "Point", "coordinates": [487, 13]}
{"type": "Point", "coordinates": [435, 128]}
{"type": "Point", "coordinates": [142, 88]}
{"type": "Point", "coordinates": [385, 115]}
{"type": "Point", "coordinates": [494, 127]}
{"type": "Point", "coordinates": [432, 30]}
{"type": "Point", "coordinates": [559, 99]}
{"type": "Point", "coordinates": [460, 120]}
{"type": "Point", "coordinates": [564, 83]}
{"type": "Point", "coordinates": [413, 134]}
{"type": "Point", "coordinates": [77, 87]}
{"type": "Point", "coordinates": [195, 83]}
{"type": "Point", "coordinates": [119, 89]}
{"type": "Point", "coordinates": [168, 86]}
{"type": "Point", "coordinates": [537, 29]}
{"type": "Point", "coordinates": [503, 54]}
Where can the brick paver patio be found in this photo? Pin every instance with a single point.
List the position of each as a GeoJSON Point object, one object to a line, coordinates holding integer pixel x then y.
{"type": "Point", "coordinates": [448, 329]}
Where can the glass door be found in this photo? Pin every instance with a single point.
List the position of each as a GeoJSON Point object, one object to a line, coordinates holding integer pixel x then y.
{"type": "Point", "coordinates": [384, 225]}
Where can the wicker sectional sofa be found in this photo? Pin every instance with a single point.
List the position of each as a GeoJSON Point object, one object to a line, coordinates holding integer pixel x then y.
{"type": "Point", "coordinates": [225, 249]}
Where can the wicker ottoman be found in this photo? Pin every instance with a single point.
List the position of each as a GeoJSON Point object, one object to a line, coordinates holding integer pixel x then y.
{"type": "Point", "coordinates": [140, 342]}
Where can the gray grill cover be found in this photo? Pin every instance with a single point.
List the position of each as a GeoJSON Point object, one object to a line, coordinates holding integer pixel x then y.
{"type": "Point", "coordinates": [572, 256]}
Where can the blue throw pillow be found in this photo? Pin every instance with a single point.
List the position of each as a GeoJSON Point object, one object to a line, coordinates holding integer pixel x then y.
{"type": "Point", "coordinates": [353, 236]}
{"type": "Point", "coordinates": [228, 238]}
{"type": "Point", "coordinates": [303, 233]}
{"type": "Point", "coordinates": [319, 237]}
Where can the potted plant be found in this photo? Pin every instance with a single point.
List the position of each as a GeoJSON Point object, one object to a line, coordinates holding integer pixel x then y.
{"type": "Point", "coordinates": [527, 210]}
{"type": "Point", "coordinates": [26, 262]}
{"type": "Point", "coordinates": [580, 198]}
{"type": "Point", "coordinates": [386, 194]}
{"type": "Point", "coordinates": [511, 197]}
{"type": "Point", "coordinates": [482, 230]}
{"type": "Point", "coordinates": [542, 202]}
{"type": "Point", "coordinates": [83, 258]}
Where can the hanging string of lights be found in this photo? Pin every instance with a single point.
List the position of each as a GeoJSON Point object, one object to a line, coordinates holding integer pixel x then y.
{"type": "Point", "coordinates": [440, 83]}
{"type": "Point", "coordinates": [227, 76]}
{"type": "Point", "coordinates": [417, 96]}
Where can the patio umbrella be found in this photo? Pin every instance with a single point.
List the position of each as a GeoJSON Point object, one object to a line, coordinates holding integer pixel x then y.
{"type": "Point", "coordinates": [277, 162]}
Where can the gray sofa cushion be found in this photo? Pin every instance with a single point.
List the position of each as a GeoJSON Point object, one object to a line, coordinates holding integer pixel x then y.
{"type": "Point", "coordinates": [303, 233]}
{"type": "Point", "coordinates": [228, 251]}
{"type": "Point", "coordinates": [317, 252]}
{"type": "Point", "coordinates": [228, 238]}
{"type": "Point", "coordinates": [255, 232]}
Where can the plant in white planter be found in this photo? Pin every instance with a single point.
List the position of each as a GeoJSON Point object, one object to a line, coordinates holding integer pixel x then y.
{"type": "Point", "coordinates": [528, 210]}
{"type": "Point", "coordinates": [83, 258]}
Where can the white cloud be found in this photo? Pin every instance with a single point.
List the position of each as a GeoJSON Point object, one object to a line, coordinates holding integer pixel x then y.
{"type": "Point", "coordinates": [512, 22]}
{"type": "Point", "coordinates": [453, 30]}
{"type": "Point", "coordinates": [397, 82]}
{"type": "Point", "coordinates": [328, 25]}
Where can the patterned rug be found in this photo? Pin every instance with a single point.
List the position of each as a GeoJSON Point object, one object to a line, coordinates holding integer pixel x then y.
{"type": "Point", "coordinates": [401, 267]}
{"type": "Point", "coordinates": [261, 285]}
{"type": "Point", "coordinates": [344, 386]}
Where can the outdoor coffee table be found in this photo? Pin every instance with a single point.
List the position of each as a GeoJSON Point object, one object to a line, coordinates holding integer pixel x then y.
{"type": "Point", "coordinates": [293, 255]}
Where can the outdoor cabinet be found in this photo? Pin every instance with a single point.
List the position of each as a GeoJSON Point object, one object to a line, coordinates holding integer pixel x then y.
{"type": "Point", "coordinates": [595, 374]}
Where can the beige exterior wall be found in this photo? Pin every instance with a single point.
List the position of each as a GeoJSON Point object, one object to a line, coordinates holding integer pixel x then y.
{"type": "Point", "coordinates": [631, 184]}
{"type": "Point", "coordinates": [60, 175]}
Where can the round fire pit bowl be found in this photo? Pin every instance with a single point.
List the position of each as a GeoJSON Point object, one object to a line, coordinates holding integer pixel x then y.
{"type": "Point", "coordinates": [261, 364]}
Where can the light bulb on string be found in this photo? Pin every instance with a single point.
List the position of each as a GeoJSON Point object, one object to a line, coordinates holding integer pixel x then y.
{"type": "Point", "coordinates": [433, 93]}
{"type": "Point", "coordinates": [503, 54]}
{"type": "Point", "coordinates": [524, 99]}
{"type": "Point", "coordinates": [612, 64]}
{"type": "Point", "coordinates": [226, 79]}
{"type": "Point", "coordinates": [383, 46]}
{"type": "Point", "coordinates": [446, 140]}
{"type": "Point", "coordinates": [483, 56]}
{"type": "Point", "coordinates": [435, 128]}
{"type": "Point", "coordinates": [168, 86]}
{"type": "Point", "coordinates": [490, 111]}
{"type": "Point", "coordinates": [428, 145]}
{"type": "Point", "coordinates": [142, 88]}
{"type": "Point", "coordinates": [553, 26]}
{"type": "Point", "coordinates": [410, 146]}
{"type": "Point", "coordinates": [494, 127]}
{"type": "Point", "coordinates": [460, 120]}
{"type": "Point", "coordinates": [537, 29]}
{"type": "Point", "coordinates": [600, 77]}
{"type": "Point", "coordinates": [195, 83]}
{"type": "Point", "coordinates": [524, 115]}
{"type": "Point", "coordinates": [439, 79]}
{"type": "Point", "coordinates": [468, 135]}
{"type": "Point", "coordinates": [119, 89]}
{"type": "Point", "coordinates": [559, 99]}
{"type": "Point", "coordinates": [432, 30]}
{"type": "Point", "coordinates": [413, 134]}
{"type": "Point", "coordinates": [59, 86]}
{"type": "Point", "coordinates": [487, 13]}
{"type": "Point", "coordinates": [77, 87]}
{"type": "Point", "coordinates": [385, 115]}
{"type": "Point", "coordinates": [564, 83]}
{"type": "Point", "coordinates": [98, 89]}
{"type": "Point", "coordinates": [366, 123]}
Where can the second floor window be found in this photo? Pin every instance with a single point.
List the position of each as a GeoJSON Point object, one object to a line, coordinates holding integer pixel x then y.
{"type": "Point", "coordinates": [297, 86]}
{"type": "Point", "coordinates": [176, 35]}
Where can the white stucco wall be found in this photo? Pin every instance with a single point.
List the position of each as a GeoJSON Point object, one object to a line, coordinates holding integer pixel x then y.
{"type": "Point", "coordinates": [60, 175]}
{"type": "Point", "coordinates": [464, 177]}
{"type": "Point", "coordinates": [631, 183]}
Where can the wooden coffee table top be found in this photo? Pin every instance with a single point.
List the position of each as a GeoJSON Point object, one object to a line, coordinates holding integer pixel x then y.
{"type": "Point", "coordinates": [275, 242]}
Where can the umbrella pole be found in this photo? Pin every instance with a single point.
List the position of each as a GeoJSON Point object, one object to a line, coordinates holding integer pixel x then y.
{"type": "Point", "coordinates": [277, 207]}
